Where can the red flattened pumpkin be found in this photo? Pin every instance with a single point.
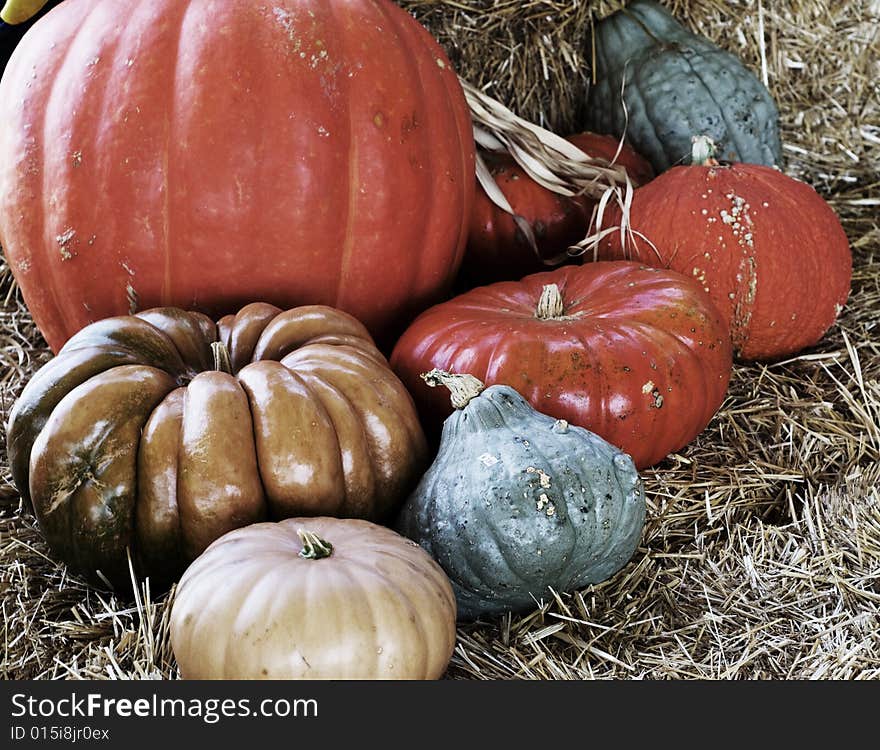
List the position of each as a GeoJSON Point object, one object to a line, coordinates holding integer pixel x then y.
{"type": "Point", "coordinates": [204, 154]}
{"type": "Point", "coordinates": [638, 355]}
{"type": "Point", "coordinates": [497, 250]}
{"type": "Point", "coordinates": [767, 248]}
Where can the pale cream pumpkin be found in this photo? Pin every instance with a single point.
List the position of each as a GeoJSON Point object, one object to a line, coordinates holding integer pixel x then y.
{"type": "Point", "coordinates": [313, 598]}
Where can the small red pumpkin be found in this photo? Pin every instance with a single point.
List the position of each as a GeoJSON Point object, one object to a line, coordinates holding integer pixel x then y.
{"type": "Point", "coordinates": [638, 355]}
{"type": "Point", "coordinates": [767, 248]}
{"type": "Point", "coordinates": [637, 167]}
{"type": "Point", "coordinates": [497, 250]}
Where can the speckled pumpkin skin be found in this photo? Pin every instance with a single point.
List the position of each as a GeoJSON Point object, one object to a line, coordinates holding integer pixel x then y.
{"type": "Point", "coordinates": [677, 85]}
{"type": "Point", "coordinates": [517, 503]}
{"type": "Point", "coordinates": [768, 249]}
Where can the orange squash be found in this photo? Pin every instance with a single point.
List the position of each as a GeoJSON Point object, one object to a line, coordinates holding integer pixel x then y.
{"type": "Point", "coordinates": [204, 154]}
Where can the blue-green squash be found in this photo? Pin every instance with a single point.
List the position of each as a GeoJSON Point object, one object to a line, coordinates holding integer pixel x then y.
{"type": "Point", "coordinates": [675, 84]}
{"type": "Point", "coordinates": [517, 503]}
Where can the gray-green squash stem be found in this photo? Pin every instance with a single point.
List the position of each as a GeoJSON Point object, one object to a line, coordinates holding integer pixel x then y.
{"type": "Point", "coordinates": [463, 388]}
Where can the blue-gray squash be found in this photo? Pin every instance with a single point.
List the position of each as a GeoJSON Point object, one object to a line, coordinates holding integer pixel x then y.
{"type": "Point", "coordinates": [517, 503]}
{"type": "Point", "coordinates": [676, 84]}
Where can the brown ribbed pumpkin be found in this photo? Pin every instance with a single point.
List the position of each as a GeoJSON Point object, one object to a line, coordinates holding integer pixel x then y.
{"type": "Point", "coordinates": [205, 154]}
{"type": "Point", "coordinates": [159, 432]}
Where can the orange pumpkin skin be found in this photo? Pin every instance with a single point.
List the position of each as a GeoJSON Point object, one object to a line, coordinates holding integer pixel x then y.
{"type": "Point", "coordinates": [767, 248]}
{"type": "Point", "coordinates": [496, 248]}
{"type": "Point", "coordinates": [203, 154]}
{"type": "Point", "coordinates": [638, 355]}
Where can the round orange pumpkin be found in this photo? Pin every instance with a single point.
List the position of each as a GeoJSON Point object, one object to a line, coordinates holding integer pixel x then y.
{"type": "Point", "coordinates": [637, 355]}
{"type": "Point", "coordinates": [205, 154]}
{"type": "Point", "coordinates": [767, 248]}
{"type": "Point", "coordinates": [154, 434]}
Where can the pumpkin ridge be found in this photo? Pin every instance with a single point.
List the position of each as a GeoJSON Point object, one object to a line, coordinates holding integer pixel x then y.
{"type": "Point", "coordinates": [101, 455]}
{"type": "Point", "coordinates": [348, 235]}
{"type": "Point", "coordinates": [44, 264]}
{"type": "Point", "coordinates": [168, 163]}
{"type": "Point", "coordinates": [359, 364]}
{"type": "Point", "coordinates": [404, 36]}
{"type": "Point", "coordinates": [425, 515]}
{"type": "Point", "coordinates": [639, 102]}
{"type": "Point", "coordinates": [488, 524]}
{"type": "Point", "coordinates": [418, 625]}
{"type": "Point", "coordinates": [317, 387]}
{"type": "Point", "coordinates": [252, 592]}
{"type": "Point", "coordinates": [763, 178]}
{"type": "Point", "coordinates": [611, 542]}
{"type": "Point", "coordinates": [685, 425]}
{"type": "Point", "coordinates": [140, 546]}
{"type": "Point", "coordinates": [561, 509]}
{"type": "Point", "coordinates": [30, 413]}
{"type": "Point", "coordinates": [463, 134]}
{"type": "Point", "coordinates": [278, 501]}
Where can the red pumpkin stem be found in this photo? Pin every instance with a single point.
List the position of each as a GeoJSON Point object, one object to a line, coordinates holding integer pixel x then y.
{"type": "Point", "coordinates": [222, 362]}
{"type": "Point", "coordinates": [464, 388]}
{"type": "Point", "coordinates": [550, 305]}
{"type": "Point", "coordinates": [313, 547]}
{"type": "Point", "coordinates": [703, 151]}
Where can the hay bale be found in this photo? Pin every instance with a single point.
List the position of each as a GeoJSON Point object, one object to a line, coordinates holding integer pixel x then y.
{"type": "Point", "coordinates": [763, 539]}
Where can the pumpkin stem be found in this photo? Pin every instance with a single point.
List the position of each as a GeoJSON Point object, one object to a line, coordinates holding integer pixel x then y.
{"type": "Point", "coordinates": [463, 388]}
{"type": "Point", "coordinates": [313, 547]}
{"type": "Point", "coordinates": [550, 305]}
{"type": "Point", "coordinates": [703, 151]}
{"type": "Point", "coordinates": [222, 363]}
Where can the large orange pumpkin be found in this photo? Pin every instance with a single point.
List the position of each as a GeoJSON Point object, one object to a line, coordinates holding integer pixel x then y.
{"type": "Point", "coordinates": [206, 153]}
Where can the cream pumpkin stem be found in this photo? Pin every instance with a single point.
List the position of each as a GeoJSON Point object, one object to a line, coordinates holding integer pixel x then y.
{"type": "Point", "coordinates": [463, 388]}
{"type": "Point", "coordinates": [222, 362]}
{"type": "Point", "coordinates": [550, 305]}
{"type": "Point", "coordinates": [703, 151]}
{"type": "Point", "coordinates": [313, 547]}
{"type": "Point", "coordinates": [19, 11]}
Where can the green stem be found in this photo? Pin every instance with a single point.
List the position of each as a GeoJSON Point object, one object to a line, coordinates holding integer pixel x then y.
{"type": "Point", "coordinates": [463, 388]}
{"type": "Point", "coordinates": [313, 547]}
